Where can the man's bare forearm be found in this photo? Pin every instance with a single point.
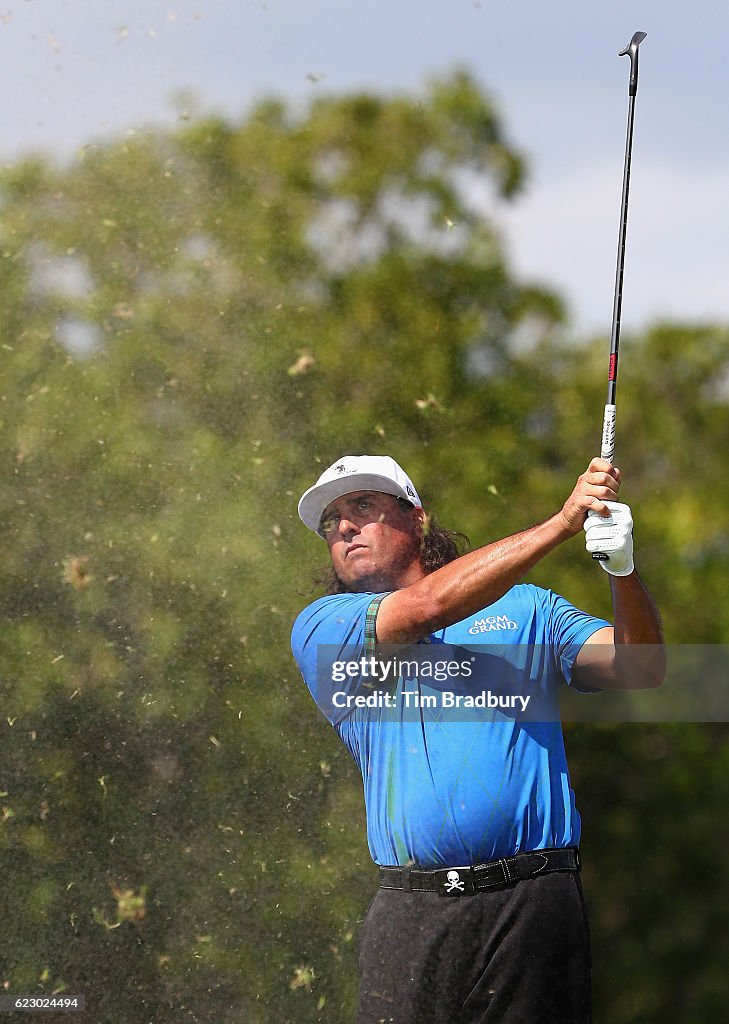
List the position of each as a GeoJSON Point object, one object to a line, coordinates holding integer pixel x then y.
{"type": "Point", "coordinates": [640, 654]}
{"type": "Point", "coordinates": [466, 585]}
{"type": "Point", "coordinates": [635, 616]}
{"type": "Point", "coordinates": [631, 655]}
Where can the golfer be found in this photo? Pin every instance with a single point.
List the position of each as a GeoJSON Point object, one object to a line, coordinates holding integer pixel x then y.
{"type": "Point", "coordinates": [455, 727]}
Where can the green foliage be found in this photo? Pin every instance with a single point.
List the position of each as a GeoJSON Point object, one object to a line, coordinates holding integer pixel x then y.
{"type": "Point", "coordinates": [194, 325]}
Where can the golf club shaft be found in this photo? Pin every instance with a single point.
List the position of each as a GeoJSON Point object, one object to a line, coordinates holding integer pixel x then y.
{"type": "Point", "coordinates": [608, 435]}
{"type": "Point", "coordinates": [607, 447]}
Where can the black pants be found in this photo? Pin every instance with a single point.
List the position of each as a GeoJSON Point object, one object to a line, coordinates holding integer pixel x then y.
{"type": "Point", "coordinates": [519, 955]}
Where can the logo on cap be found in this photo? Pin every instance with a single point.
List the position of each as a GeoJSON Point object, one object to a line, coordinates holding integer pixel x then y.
{"type": "Point", "coordinates": [341, 468]}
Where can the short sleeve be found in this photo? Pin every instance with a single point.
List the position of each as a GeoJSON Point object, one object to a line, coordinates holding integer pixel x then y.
{"type": "Point", "coordinates": [568, 628]}
{"type": "Point", "coordinates": [328, 638]}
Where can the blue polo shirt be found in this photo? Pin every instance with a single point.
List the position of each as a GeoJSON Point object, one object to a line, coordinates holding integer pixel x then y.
{"type": "Point", "coordinates": [458, 738]}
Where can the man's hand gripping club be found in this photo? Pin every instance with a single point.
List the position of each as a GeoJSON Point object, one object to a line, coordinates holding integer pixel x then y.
{"type": "Point", "coordinates": [610, 530]}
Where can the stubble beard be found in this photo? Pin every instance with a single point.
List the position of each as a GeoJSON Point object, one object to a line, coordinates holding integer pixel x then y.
{"type": "Point", "coordinates": [404, 570]}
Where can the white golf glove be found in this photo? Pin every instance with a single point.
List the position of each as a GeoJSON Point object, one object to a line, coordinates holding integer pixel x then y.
{"type": "Point", "coordinates": [613, 535]}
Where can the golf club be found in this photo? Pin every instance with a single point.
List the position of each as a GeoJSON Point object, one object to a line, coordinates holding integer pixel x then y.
{"type": "Point", "coordinates": [607, 449]}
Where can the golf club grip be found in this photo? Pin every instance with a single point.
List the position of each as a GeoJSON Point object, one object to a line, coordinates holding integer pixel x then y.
{"type": "Point", "coordinates": [607, 451]}
{"type": "Point", "coordinates": [607, 448]}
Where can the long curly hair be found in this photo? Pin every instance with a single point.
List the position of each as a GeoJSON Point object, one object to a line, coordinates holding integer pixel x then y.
{"type": "Point", "coordinates": [438, 547]}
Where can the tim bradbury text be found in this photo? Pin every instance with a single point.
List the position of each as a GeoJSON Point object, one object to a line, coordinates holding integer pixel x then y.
{"type": "Point", "coordinates": [443, 699]}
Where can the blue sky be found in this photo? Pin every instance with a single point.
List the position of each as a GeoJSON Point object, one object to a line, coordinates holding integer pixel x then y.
{"type": "Point", "coordinates": [76, 71]}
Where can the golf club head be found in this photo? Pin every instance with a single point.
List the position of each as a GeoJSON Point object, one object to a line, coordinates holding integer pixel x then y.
{"type": "Point", "coordinates": [631, 50]}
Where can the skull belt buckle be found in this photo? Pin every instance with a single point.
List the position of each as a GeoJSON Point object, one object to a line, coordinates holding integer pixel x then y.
{"type": "Point", "coordinates": [455, 881]}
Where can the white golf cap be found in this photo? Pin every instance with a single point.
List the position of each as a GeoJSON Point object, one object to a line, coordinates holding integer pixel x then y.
{"type": "Point", "coordinates": [355, 473]}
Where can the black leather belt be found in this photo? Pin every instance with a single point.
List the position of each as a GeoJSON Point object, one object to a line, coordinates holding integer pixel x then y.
{"type": "Point", "coordinates": [465, 881]}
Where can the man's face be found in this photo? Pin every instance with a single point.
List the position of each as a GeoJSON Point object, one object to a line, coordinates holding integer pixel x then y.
{"type": "Point", "coordinates": [373, 541]}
